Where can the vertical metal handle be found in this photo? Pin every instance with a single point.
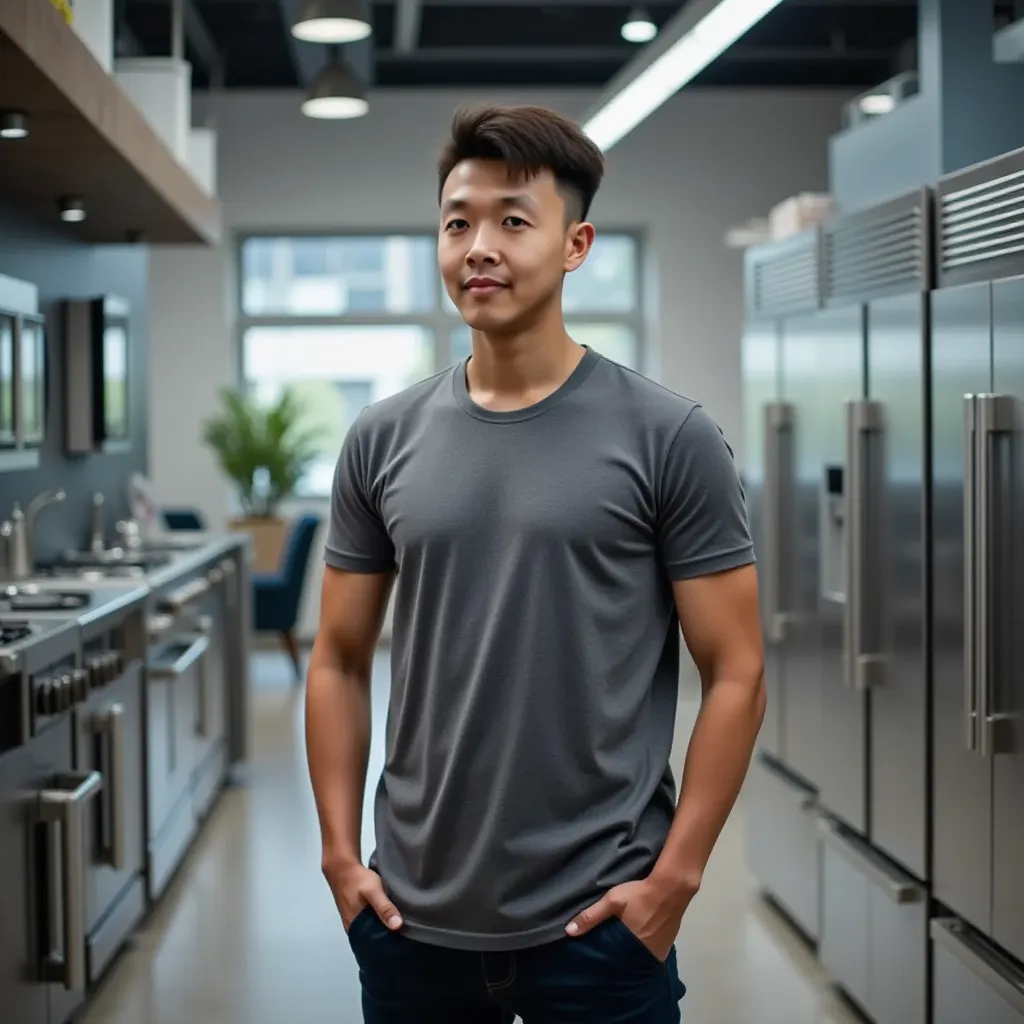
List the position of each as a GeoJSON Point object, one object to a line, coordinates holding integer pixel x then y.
{"type": "Point", "coordinates": [864, 419]}
{"type": "Point", "coordinates": [111, 723]}
{"type": "Point", "coordinates": [205, 626]}
{"type": "Point", "coordinates": [778, 425]}
{"type": "Point", "coordinates": [995, 416]}
{"type": "Point", "coordinates": [970, 579]}
{"type": "Point", "coordinates": [65, 805]}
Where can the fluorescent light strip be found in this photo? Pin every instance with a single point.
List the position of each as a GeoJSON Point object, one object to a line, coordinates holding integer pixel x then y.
{"type": "Point", "coordinates": [679, 64]}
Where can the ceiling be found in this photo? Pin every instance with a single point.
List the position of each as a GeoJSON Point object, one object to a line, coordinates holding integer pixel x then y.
{"type": "Point", "coordinates": [245, 44]}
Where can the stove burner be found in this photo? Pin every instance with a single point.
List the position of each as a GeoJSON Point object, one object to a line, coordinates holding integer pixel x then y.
{"type": "Point", "coordinates": [16, 599]}
{"type": "Point", "coordinates": [10, 632]}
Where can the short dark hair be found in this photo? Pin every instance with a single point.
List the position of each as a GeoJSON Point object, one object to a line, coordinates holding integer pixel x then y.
{"type": "Point", "coordinates": [528, 140]}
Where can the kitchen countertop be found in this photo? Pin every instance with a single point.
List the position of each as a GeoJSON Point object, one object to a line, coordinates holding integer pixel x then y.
{"type": "Point", "coordinates": [112, 593]}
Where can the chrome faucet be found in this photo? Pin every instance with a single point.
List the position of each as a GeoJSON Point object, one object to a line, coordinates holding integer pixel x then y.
{"type": "Point", "coordinates": [34, 507]}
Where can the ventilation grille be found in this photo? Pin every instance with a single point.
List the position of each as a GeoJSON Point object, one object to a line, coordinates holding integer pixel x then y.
{"type": "Point", "coordinates": [784, 277]}
{"type": "Point", "coordinates": [880, 251]}
{"type": "Point", "coordinates": [981, 222]}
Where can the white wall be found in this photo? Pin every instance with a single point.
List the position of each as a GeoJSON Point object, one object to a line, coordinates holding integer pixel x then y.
{"type": "Point", "coordinates": [705, 161]}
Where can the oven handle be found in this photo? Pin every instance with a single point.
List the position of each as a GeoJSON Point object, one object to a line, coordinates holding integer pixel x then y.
{"type": "Point", "coordinates": [65, 805]}
{"type": "Point", "coordinates": [176, 600]}
{"type": "Point", "coordinates": [183, 662]}
{"type": "Point", "coordinates": [111, 723]}
{"type": "Point", "coordinates": [205, 626]}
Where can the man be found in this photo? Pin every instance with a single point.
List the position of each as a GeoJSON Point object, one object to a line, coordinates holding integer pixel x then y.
{"type": "Point", "coordinates": [548, 520]}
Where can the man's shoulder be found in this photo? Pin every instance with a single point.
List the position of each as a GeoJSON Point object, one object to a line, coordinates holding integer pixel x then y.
{"type": "Point", "coordinates": [386, 415]}
{"type": "Point", "coordinates": [646, 399]}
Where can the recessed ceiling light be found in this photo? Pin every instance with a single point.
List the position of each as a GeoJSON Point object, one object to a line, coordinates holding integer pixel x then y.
{"type": "Point", "coordinates": [877, 103]}
{"type": "Point", "coordinates": [332, 21]}
{"type": "Point", "coordinates": [72, 209]}
{"type": "Point", "coordinates": [13, 125]}
{"type": "Point", "coordinates": [638, 27]}
{"type": "Point", "coordinates": [335, 94]}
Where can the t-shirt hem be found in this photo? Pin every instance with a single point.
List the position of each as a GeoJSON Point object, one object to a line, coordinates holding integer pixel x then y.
{"type": "Point", "coordinates": [718, 562]}
{"type": "Point", "coordinates": [353, 563]}
{"type": "Point", "coordinates": [474, 942]}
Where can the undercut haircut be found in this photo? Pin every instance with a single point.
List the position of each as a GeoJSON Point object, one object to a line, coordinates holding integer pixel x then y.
{"type": "Point", "coordinates": [528, 140]}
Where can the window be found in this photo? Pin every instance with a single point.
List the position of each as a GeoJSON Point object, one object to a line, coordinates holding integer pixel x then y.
{"type": "Point", "coordinates": [346, 320]}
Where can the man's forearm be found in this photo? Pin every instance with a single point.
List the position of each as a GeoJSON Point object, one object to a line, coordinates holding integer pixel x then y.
{"type": "Point", "coordinates": [716, 764]}
{"type": "Point", "coordinates": [337, 746]}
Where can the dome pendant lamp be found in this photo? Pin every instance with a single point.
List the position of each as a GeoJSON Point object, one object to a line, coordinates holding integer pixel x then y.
{"type": "Point", "coordinates": [335, 93]}
{"type": "Point", "coordinates": [332, 21]}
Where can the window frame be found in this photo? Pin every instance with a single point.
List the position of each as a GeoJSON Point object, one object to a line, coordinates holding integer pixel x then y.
{"type": "Point", "coordinates": [438, 321]}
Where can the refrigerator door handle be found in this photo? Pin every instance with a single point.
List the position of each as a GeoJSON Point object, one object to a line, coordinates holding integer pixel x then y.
{"type": "Point", "coordinates": [779, 419]}
{"type": "Point", "coordinates": [995, 419]}
{"type": "Point", "coordinates": [970, 576]}
{"type": "Point", "coordinates": [865, 421]}
{"type": "Point", "coordinates": [953, 937]}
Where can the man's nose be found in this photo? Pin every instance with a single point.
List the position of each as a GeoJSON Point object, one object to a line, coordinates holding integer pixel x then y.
{"type": "Point", "coordinates": [483, 249]}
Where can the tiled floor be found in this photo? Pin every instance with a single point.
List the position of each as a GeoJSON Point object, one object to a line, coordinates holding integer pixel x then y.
{"type": "Point", "coordinates": [248, 933]}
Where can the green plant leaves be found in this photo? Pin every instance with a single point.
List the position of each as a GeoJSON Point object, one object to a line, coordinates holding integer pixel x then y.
{"type": "Point", "coordinates": [263, 450]}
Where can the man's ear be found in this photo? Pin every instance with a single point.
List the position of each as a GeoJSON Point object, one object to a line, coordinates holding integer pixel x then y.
{"type": "Point", "coordinates": [578, 244]}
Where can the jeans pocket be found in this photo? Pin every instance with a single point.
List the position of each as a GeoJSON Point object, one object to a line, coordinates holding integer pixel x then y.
{"type": "Point", "coordinates": [637, 944]}
{"type": "Point", "coordinates": [365, 917]}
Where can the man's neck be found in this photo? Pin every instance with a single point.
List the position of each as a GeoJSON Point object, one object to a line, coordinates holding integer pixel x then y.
{"type": "Point", "coordinates": [515, 371]}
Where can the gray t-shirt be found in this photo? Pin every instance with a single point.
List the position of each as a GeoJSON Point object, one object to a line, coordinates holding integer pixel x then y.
{"type": "Point", "coordinates": [535, 650]}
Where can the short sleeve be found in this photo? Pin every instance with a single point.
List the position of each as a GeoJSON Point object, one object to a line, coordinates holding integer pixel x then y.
{"type": "Point", "coordinates": [357, 540]}
{"type": "Point", "coordinates": [702, 517]}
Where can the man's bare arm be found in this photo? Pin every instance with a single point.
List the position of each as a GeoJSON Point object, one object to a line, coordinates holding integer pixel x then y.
{"type": "Point", "coordinates": [721, 625]}
{"type": "Point", "coordinates": [352, 612]}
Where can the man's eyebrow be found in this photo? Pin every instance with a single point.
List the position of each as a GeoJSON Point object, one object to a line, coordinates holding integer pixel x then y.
{"type": "Point", "coordinates": [519, 199]}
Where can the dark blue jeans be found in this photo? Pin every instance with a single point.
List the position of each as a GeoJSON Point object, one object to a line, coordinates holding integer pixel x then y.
{"type": "Point", "coordinates": [605, 977]}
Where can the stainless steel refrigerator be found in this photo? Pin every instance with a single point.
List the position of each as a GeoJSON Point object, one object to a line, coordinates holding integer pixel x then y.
{"type": "Point", "coordinates": [977, 416]}
{"type": "Point", "coordinates": [783, 295]}
{"type": "Point", "coordinates": [871, 445]}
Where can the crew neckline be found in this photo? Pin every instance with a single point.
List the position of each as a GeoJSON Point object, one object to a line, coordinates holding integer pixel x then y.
{"type": "Point", "coordinates": [465, 400]}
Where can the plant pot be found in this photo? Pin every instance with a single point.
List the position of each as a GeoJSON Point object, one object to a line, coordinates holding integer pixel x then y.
{"type": "Point", "coordinates": [269, 536]}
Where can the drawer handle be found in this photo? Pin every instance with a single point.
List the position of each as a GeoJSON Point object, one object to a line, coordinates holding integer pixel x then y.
{"type": "Point", "coordinates": [948, 933]}
{"type": "Point", "coordinates": [896, 887]}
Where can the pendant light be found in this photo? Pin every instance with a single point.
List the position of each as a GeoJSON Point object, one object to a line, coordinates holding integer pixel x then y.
{"type": "Point", "coordinates": [13, 125]}
{"type": "Point", "coordinates": [332, 21]}
{"type": "Point", "coordinates": [335, 93]}
{"type": "Point", "coordinates": [638, 27]}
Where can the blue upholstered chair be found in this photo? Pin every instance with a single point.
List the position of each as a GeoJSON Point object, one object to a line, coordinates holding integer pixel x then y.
{"type": "Point", "coordinates": [278, 595]}
{"type": "Point", "coordinates": [182, 519]}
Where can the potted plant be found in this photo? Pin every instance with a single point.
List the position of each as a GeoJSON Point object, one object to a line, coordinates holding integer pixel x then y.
{"type": "Point", "coordinates": [263, 450]}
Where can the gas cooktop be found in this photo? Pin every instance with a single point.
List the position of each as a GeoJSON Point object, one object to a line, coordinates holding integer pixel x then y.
{"type": "Point", "coordinates": [13, 630]}
{"type": "Point", "coordinates": [37, 599]}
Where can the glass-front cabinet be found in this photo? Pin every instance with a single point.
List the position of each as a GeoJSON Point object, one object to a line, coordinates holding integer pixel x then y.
{"type": "Point", "coordinates": [22, 375]}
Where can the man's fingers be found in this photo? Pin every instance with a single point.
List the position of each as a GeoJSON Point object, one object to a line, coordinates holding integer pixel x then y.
{"type": "Point", "coordinates": [384, 908]}
{"type": "Point", "coordinates": [591, 917]}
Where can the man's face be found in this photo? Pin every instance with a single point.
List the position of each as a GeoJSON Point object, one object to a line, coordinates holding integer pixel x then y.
{"type": "Point", "coordinates": [505, 244]}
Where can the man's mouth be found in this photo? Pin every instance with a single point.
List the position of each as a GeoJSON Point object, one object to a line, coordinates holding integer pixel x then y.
{"type": "Point", "coordinates": [483, 285]}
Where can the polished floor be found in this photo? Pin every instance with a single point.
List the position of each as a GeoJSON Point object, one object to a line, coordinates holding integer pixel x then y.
{"type": "Point", "coordinates": [248, 933]}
